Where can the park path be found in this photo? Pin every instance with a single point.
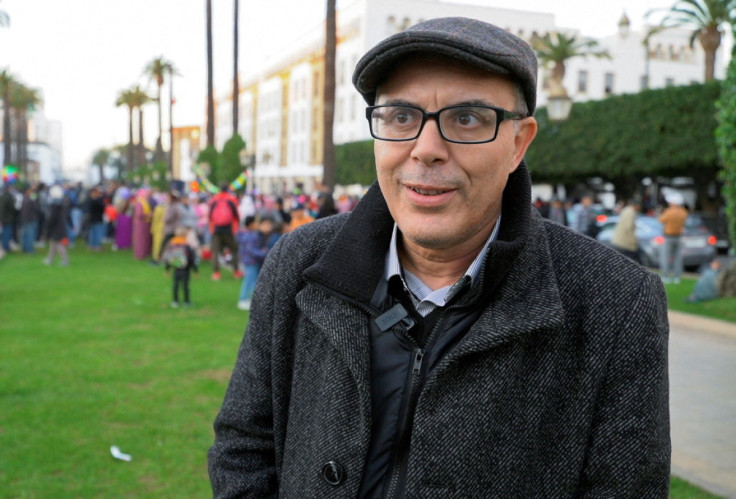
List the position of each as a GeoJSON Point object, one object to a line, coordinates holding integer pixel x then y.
{"type": "Point", "coordinates": [703, 402]}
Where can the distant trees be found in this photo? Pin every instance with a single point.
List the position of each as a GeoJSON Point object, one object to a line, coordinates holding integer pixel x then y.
{"type": "Point", "coordinates": [134, 98]}
{"type": "Point", "coordinates": [726, 139]}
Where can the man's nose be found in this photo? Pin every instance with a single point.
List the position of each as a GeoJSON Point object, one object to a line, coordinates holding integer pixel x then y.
{"type": "Point", "coordinates": [430, 148]}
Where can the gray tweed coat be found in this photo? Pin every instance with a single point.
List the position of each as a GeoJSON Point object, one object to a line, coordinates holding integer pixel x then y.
{"type": "Point", "coordinates": [559, 389]}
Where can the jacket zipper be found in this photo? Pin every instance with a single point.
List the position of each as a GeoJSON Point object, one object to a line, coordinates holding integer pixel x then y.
{"type": "Point", "coordinates": [417, 377]}
{"type": "Point", "coordinates": [401, 449]}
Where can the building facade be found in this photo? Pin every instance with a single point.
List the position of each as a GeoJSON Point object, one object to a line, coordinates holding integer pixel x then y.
{"type": "Point", "coordinates": [281, 106]}
{"type": "Point", "coordinates": [43, 150]}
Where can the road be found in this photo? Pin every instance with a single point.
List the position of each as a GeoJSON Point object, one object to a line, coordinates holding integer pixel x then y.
{"type": "Point", "coordinates": [703, 402]}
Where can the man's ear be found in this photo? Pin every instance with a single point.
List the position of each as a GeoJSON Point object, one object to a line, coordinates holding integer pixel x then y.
{"type": "Point", "coordinates": [527, 130]}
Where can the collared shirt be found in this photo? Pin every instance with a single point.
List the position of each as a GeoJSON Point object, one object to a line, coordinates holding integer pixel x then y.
{"type": "Point", "coordinates": [425, 300]}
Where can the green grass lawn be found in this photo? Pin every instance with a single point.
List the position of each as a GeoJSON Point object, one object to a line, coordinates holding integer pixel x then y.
{"type": "Point", "coordinates": [721, 308]}
{"type": "Point", "coordinates": [93, 356]}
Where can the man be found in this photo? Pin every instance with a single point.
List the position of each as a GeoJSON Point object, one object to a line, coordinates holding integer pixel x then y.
{"type": "Point", "coordinates": [673, 223]}
{"type": "Point", "coordinates": [443, 340]}
{"type": "Point", "coordinates": [624, 233]}
{"type": "Point", "coordinates": [584, 219]}
{"type": "Point", "coordinates": [224, 220]}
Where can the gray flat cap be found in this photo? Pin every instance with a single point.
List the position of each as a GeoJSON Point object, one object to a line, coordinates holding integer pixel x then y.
{"type": "Point", "coordinates": [474, 42]}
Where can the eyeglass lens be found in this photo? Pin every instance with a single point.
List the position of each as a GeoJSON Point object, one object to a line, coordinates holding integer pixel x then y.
{"type": "Point", "coordinates": [461, 123]}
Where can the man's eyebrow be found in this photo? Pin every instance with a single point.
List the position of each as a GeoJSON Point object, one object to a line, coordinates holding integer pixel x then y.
{"type": "Point", "coordinates": [403, 102]}
{"type": "Point", "coordinates": [397, 102]}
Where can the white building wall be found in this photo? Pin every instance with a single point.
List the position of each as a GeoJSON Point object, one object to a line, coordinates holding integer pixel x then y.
{"type": "Point", "coordinates": [300, 123]}
{"type": "Point", "coordinates": [246, 124]}
{"type": "Point", "coordinates": [364, 23]}
{"type": "Point", "coordinates": [268, 143]}
{"type": "Point", "coordinates": [629, 65]}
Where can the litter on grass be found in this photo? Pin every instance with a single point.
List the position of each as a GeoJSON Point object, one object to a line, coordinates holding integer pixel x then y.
{"type": "Point", "coordinates": [120, 455]}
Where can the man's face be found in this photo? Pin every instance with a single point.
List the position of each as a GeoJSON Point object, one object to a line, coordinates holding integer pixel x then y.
{"type": "Point", "coordinates": [444, 195]}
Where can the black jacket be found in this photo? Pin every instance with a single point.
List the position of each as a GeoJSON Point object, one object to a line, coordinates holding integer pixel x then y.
{"type": "Point", "coordinates": [558, 389]}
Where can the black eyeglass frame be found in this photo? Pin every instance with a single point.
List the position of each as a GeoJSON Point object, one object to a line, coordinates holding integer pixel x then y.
{"type": "Point", "coordinates": [501, 116]}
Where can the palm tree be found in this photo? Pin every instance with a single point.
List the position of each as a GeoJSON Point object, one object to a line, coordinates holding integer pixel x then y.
{"type": "Point", "coordinates": [705, 18]}
{"type": "Point", "coordinates": [172, 73]}
{"type": "Point", "coordinates": [140, 99]}
{"type": "Point", "coordinates": [7, 82]}
{"type": "Point", "coordinates": [133, 98]}
{"type": "Point", "coordinates": [554, 49]}
{"type": "Point", "coordinates": [100, 159]}
{"type": "Point", "coordinates": [157, 70]}
{"type": "Point", "coordinates": [4, 18]}
{"type": "Point", "coordinates": [210, 89]}
{"type": "Point", "coordinates": [126, 98]}
{"type": "Point", "coordinates": [328, 144]}
{"type": "Point", "coordinates": [22, 100]}
{"type": "Point", "coordinates": [236, 84]}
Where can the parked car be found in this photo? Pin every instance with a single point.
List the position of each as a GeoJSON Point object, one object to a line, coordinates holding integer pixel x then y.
{"type": "Point", "coordinates": [698, 243]}
{"type": "Point", "coordinates": [718, 225]}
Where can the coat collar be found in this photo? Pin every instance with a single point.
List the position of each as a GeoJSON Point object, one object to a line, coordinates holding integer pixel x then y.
{"type": "Point", "coordinates": [354, 260]}
{"type": "Point", "coordinates": [353, 263]}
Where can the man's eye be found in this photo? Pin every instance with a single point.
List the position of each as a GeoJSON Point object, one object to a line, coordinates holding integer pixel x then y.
{"type": "Point", "coordinates": [467, 119]}
{"type": "Point", "coordinates": [401, 118]}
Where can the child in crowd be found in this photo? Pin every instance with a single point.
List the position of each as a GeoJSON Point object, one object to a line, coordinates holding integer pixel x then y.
{"type": "Point", "coordinates": [252, 247]}
{"type": "Point", "coordinates": [180, 256]}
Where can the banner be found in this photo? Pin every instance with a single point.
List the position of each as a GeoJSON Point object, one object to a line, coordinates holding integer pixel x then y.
{"type": "Point", "coordinates": [10, 174]}
{"type": "Point", "coordinates": [235, 185]}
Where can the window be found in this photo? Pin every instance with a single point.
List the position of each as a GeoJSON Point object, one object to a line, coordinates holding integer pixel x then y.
{"type": "Point", "coordinates": [582, 81]}
{"type": "Point", "coordinates": [608, 89]}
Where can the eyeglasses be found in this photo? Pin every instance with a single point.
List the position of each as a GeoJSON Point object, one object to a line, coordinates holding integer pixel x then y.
{"type": "Point", "coordinates": [461, 124]}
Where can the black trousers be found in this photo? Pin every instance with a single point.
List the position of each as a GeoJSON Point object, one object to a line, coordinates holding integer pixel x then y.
{"type": "Point", "coordinates": [181, 279]}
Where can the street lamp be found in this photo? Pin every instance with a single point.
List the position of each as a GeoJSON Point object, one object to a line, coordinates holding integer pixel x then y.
{"type": "Point", "coordinates": [559, 104]}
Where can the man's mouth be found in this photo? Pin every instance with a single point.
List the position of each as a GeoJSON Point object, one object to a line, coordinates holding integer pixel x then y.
{"type": "Point", "coordinates": [427, 192]}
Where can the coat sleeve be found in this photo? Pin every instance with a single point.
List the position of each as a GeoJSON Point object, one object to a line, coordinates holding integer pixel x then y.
{"type": "Point", "coordinates": [243, 460]}
{"type": "Point", "coordinates": [629, 448]}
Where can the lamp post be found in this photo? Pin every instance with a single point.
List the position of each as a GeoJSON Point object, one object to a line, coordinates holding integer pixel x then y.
{"type": "Point", "coordinates": [559, 104]}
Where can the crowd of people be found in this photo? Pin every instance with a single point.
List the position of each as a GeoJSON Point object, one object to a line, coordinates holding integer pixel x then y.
{"type": "Point", "coordinates": [227, 229]}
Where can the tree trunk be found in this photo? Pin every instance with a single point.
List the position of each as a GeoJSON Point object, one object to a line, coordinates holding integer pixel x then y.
{"type": "Point", "coordinates": [131, 147]}
{"type": "Point", "coordinates": [141, 145]}
{"type": "Point", "coordinates": [23, 145]}
{"type": "Point", "coordinates": [625, 187]}
{"type": "Point", "coordinates": [328, 143]}
{"type": "Point", "coordinates": [702, 181]}
{"type": "Point", "coordinates": [210, 90]}
{"type": "Point", "coordinates": [159, 146]}
{"type": "Point", "coordinates": [236, 83]}
{"type": "Point", "coordinates": [710, 39]}
{"type": "Point", "coordinates": [7, 131]}
{"type": "Point", "coordinates": [18, 144]}
{"type": "Point", "coordinates": [171, 123]}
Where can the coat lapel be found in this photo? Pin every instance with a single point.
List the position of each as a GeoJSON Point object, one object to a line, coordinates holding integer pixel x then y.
{"type": "Point", "coordinates": [525, 304]}
{"type": "Point", "coordinates": [345, 326]}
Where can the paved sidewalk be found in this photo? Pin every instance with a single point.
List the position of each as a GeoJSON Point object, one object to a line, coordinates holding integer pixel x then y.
{"type": "Point", "coordinates": [703, 401]}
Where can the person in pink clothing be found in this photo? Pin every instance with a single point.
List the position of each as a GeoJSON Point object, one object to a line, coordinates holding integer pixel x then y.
{"type": "Point", "coordinates": [141, 225]}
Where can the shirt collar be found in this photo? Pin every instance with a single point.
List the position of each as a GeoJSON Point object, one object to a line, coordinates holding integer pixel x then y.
{"type": "Point", "coordinates": [418, 289]}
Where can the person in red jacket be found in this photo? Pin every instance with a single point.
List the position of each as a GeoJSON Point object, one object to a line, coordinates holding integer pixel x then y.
{"type": "Point", "coordinates": [223, 221]}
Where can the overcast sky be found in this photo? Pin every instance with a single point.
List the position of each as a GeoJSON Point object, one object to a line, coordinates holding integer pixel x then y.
{"type": "Point", "coordinates": [82, 53]}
